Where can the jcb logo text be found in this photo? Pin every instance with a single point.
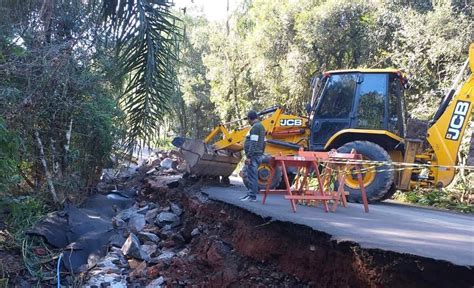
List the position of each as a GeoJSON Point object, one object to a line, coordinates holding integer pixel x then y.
{"type": "Point", "coordinates": [291, 122]}
{"type": "Point", "coordinates": [457, 120]}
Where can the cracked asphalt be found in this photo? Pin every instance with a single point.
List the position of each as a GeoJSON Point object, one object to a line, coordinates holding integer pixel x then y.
{"type": "Point", "coordinates": [388, 226]}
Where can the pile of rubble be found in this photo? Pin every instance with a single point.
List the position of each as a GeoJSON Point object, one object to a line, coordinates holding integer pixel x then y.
{"type": "Point", "coordinates": [153, 238]}
{"type": "Point", "coordinates": [131, 172]}
{"type": "Point", "coordinates": [168, 246]}
{"type": "Point", "coordinates": [166, 163]}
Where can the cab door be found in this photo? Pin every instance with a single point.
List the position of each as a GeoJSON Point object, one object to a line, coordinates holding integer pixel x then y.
{"type": "Point", "coordinates": [334, 110]}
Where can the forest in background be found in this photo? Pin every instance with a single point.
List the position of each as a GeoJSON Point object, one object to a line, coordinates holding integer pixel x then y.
{"type": "Point", "coordinates": [83, 80]}
{"type": "Point", "coordinates": [267, 52]}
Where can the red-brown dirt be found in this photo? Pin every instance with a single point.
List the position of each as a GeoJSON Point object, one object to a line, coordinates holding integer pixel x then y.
{"type": "Point", "coordinates": [239, 249]}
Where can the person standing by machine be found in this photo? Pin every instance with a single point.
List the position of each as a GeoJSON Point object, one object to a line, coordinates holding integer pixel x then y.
{"type": "Point", "coordinates": [254, 147]}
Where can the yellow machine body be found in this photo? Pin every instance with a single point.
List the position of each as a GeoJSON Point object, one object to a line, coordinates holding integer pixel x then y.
{"type": "Point", "coordinates": [445, 135]}
{"type": "Point", "coordinates": [281, 127]}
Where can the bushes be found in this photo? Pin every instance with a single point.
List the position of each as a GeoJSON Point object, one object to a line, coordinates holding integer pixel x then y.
{"type": "Point", "coordinates": [440, 198]}
{"type": "Point", "coordinates": [9, 161]}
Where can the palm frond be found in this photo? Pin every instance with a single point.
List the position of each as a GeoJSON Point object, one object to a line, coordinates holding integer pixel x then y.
{"type": "Point", "coordinates": [146, 35]}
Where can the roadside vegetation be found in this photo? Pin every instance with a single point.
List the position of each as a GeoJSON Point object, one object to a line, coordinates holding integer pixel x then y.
{"type": "Point", "coordinates": [76, 90]}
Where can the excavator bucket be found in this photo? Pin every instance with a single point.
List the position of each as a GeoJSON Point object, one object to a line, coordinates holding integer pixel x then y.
{"type": "Point", "coordinates": [203, 160]}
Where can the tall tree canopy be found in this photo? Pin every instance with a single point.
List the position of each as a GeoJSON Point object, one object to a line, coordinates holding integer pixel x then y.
{"type": "Point", "coordinates": [271, 49]}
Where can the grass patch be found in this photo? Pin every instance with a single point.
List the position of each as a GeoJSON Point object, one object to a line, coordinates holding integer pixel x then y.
{"type": "Point", "coordinates": [438, 198]}
{"type": "Point", "coordinates": [23, 213]}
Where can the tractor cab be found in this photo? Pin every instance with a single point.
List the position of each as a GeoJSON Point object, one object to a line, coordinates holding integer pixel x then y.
{"type": "Point", "coordinates": [363, 101]}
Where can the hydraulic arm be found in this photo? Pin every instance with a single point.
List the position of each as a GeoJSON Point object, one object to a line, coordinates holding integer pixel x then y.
{"type": "Point", "coordinates": [449, 126]}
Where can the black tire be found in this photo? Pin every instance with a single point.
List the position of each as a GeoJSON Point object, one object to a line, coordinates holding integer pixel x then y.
{"type": "Point", "coordinates": [390, 192]}
{"type": "Point", "coordinates": [291, 179]}
{"type": "Point", "coordinates": [277, 179]}
{"type": "Point", "coordinates": [225, 181]}
{"type": "Point", "coordinates": [383, 180]}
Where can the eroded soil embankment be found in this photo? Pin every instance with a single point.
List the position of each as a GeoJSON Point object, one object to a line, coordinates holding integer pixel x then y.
{"type": "Point", "coordinates": [232, 236]}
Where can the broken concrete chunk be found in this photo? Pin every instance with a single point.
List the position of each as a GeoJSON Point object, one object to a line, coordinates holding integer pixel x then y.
{"type": "Point", "coordinates": [136, 223]}
{"type": "Point", "coordinates": [151, 215]}
{"type": "Point", "coordinates": [132, 248]}
{"type": "Point", "coordinates": [139, 271]}
{"type": "Point", "coordinates": [126, 214]}
{"type": "Point", "coordinates": [115, 280]}
{"type": "Point", "coordinates": [182, 167]}
{"type": "Point", "coordinates": [147, 236]}
{"type": "Point", "coordinates": [133, 263]}
{"type": "Point", "coordinates": [165, 218]}
{"type": "Point", "coordinates": [166, 255]}
{"type": "Point", "coordinates": [119, 223]}
{"type": "Point", "coordinates": [176, 209]}
{"type": "Point", "coordinates": [156, 283]}
{"type": "Point", "coordinates": [108, 270]}
{"type": "Point", "coordinates": [149, 249]}
{"type": "Point", "coordinates": [117, 240]}
{"type": "Point", "coordinates": [183, 252]}
{"type": "Point", "coordinates": [167, 227]}
{"type": "Point", "coordinates": [143, 210]}
{"type": "Point", "coordinates": [167, 163]}
{"type": "Point", "coordinates": [195, 232]}
{"type": "Point", "coordinates": [170, 171]}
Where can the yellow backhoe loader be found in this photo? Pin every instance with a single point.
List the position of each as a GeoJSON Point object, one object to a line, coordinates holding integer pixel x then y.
{"type": "Point", "coordinates": [359, 109]}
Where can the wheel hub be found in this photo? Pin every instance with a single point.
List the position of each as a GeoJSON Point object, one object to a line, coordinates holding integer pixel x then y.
{"type": "Point", "coordinates": [263, 173]}
{"type": "Point", "coordinates": [367, 177]}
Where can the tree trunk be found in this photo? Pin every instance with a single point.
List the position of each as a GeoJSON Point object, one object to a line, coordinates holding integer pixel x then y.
{"type": "Point", "coordinates": [46, 15]}
{"type": "Point", "coordinates": [66, 147]}
{"type": "Point", "coordinates": [45, 167]}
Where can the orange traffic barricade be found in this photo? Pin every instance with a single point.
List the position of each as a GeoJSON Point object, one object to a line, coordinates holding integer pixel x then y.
{"type": "Point", "coordinates": [322, 165]}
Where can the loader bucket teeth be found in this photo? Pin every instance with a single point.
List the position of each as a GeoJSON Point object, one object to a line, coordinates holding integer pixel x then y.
{"type": "Point", "coordinates": [203, 160]}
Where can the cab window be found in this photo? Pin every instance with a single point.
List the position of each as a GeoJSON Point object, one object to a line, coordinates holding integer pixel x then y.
{"type": "Point", "coordinates": [338, 96]}
{"type": "Point", "coordinates": [371, 107]}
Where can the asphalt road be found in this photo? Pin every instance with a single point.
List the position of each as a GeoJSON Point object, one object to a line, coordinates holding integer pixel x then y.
{"type": "Point", "coordinates": [403, 229]}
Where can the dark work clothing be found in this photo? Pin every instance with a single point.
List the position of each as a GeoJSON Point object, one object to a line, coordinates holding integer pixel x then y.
{"type": "Point", "coordinates": [254, 147]}
{"type": "Point", "coordinates": [254, 144]}
{"type": "Point", "coordinates": [252, 176]}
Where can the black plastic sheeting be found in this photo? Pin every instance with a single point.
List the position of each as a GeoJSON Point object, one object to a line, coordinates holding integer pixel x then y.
{"type": "Point", "coordinates": [84, 233]}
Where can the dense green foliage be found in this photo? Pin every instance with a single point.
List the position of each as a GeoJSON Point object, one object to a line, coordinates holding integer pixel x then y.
{"type": "Point", "coordinates": [267, 51]}
{"type": "Point", "coordinates": [273, 48]}
{"type": "Point", "coordinates": [78, 79]}
{"type": "Point", "coordinates": [9, 144]}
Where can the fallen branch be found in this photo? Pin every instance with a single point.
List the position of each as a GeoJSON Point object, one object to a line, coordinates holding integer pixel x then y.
{"type": "Point", "coordinates": [25, 177]}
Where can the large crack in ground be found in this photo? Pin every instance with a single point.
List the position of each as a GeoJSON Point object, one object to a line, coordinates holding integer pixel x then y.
{"type": "Point", "coordinates": [238, 248]}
